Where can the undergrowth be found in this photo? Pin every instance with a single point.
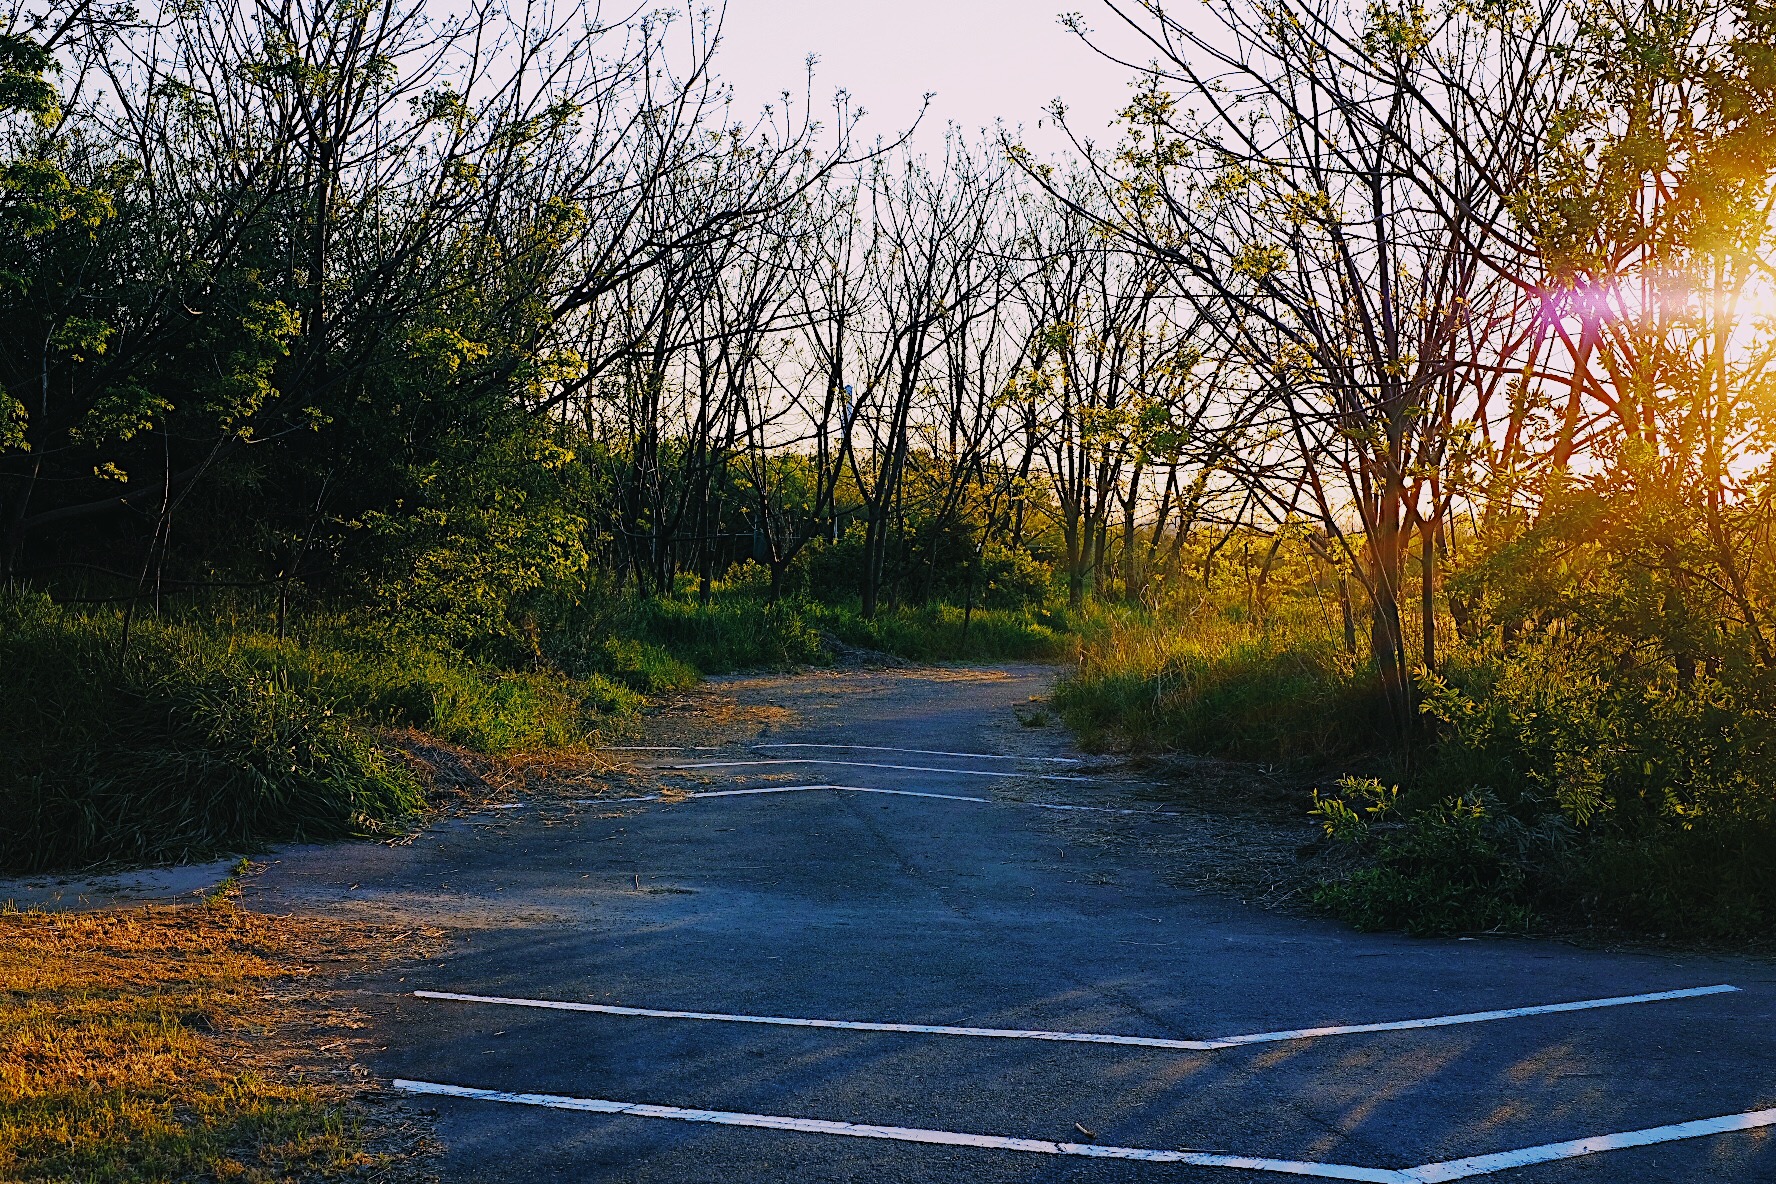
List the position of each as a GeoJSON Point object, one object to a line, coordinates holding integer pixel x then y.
{"type": "Point", "coordinates": [1555, 782]}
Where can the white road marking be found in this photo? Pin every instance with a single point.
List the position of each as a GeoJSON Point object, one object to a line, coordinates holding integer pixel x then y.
{"type": "Point", "coordinates": [904, 1134]}
{"type": "Point", "coordinates": [1499, 1161]}
{"type": "Point", "coordinates": [981, 756]}
{"type": "Point", "coordinates": [899, 793]}
{"type": "Point", "coordinates": [1472, 1017]}
{"type": "Point", "coordinates": [816, 760]}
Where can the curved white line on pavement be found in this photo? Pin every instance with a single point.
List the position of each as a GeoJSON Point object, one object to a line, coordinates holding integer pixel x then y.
{"type": "Point", "coordinates": [905, 1134]}
{"type": "Point", "coordinates": [1472, 1017]}
{"type": "Point", "coordinates": [981, 756]}
{"type": "Point", "coordinates": [817, 760]}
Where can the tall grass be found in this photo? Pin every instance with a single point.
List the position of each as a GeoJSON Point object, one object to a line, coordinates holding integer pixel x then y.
{"type": "Point", "coordinates": [663, 643]}
{"type": "Point", "coordinates": [1217, 681]}
{"type": "Point", "coordinates": [195, 742]}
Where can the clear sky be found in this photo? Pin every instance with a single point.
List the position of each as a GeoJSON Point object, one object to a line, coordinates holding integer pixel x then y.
{"type": "Point", "coordinates": [982, 58]}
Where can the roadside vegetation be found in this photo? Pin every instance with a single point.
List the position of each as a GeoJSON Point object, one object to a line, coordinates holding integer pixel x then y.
{"type": "Point", "coordinates": [1389, 396]}
{"type": "Point", "coordinates": [1580, 756]}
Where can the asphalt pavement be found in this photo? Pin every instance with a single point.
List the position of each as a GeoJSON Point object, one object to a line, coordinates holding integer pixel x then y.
{"type": "Point", "coordinates": [956, 980]}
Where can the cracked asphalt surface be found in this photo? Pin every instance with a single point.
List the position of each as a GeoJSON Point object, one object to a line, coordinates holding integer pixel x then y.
{"type": "Point", "coordinates": [916, 910]}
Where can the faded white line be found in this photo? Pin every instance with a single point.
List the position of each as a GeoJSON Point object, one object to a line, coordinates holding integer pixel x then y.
{"type": "Point", "coordinates": [899, 793]}
{"type": "Point", "coordinates": [905, 1134]}
{"type": "Point", "coordinates": [1500, 1161]}
{"type": "Point", "coordinates": [982, 756]}
{"type": "Point", "coordinates": [816, 760]}
{"type": "Point", "coordinates": [1472, 1017]}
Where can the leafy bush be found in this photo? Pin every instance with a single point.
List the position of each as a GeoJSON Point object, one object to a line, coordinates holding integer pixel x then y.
{"type": "Point", "coordinates": [1460, 865]}
{"type": "Point", "coordinates": [1012, 579]}
{"type": "Point", "coordinates": [1669, 782]}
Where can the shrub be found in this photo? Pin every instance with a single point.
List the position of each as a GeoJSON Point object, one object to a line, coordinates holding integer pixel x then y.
{"type": "Point", "coordinates": [1668, 783]}
{"type": "Point", "coordinates": [1012, 579]}
{"type": "Point", "coordinates": [198, 743]}
{"type": "Point", "coordinates": [1460, 865]}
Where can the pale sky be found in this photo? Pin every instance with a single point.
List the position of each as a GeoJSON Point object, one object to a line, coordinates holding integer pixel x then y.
{"type": "Point", "coordinates": [982, 58]}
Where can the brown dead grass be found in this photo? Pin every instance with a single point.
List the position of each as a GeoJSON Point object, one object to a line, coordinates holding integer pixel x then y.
{"type": "Point", "coordinates": [199, 1042]}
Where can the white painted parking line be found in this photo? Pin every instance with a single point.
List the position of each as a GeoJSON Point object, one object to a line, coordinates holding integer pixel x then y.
{"type": "Point", "coordinates": [905, 1134]}
{"type": "Point", "coordinates": [819, 760]}
{"type": "Point", "coordinates": [1472, 1017]}
{"type": "Point", "coordinates": [899, 793]}
{"type": "Point", "coordinates": [979, 756]}
{"type": "Point", "coordinates": [1500, 1161]}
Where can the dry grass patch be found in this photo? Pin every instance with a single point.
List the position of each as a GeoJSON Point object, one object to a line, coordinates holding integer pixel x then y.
{"type": "Point", "coordinates": [190, 1043]}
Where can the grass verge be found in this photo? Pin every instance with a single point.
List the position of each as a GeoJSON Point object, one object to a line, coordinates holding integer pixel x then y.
{"type": "Point", "coordinates": [194, 1043]}
{"type": "Point", "coordinates": [193, 742]}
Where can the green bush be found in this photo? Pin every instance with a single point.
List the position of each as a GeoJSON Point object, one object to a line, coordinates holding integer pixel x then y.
{"type": "Point", "coordinates": [1460, 865]}
{"type": "Point", "coordinates": [1669, 782]}
{"type": "Point", "coordinates": [1012, 579]}
{"type": "Point", "coordinates": [198, 743]}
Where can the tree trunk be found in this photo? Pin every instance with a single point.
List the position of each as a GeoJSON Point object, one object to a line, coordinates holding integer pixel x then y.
{"type": "Point", "coordinates": [1427, 593]}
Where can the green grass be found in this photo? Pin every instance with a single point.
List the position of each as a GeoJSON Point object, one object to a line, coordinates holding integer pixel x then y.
{"type": "Point", "coordinates": [936, 632]}
{"type": "Point", "coordinates": [654, 644]}
{"type": "Point", "coordinates": [198, 743]}
{"type": "Point", "coordinates": [1211, 682]}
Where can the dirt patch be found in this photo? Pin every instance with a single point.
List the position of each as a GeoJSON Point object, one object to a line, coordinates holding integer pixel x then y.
{"type": "Point", "coordinates": [195, 1042]}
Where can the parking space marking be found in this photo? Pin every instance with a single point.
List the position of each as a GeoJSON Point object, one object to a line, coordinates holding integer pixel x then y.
{"type": "Point", "coordinates": [1475, 1017]}
{"type": "Point", "coordinates": [818, 760]}
{"type": "Point", "coordinates": [1210, 1045]}
{"type": "Point", "coordinates": [904, 1134]}
{"type": "Point", "coordinates": [899, 793]}
{"type": "Point", "coordinates": [980, 756]}
{"type": "Point", "coordinates": [1500, 1161]}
